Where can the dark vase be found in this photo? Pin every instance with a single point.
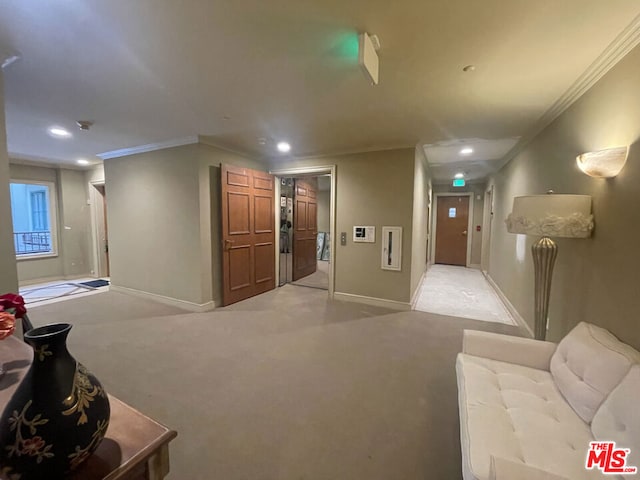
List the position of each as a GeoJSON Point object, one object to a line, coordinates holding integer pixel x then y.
{"type": "Point", "coordinates": [58, 415]}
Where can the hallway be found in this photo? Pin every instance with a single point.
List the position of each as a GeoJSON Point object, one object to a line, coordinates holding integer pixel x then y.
{"type": "Point", "coordinates": [461, 292]}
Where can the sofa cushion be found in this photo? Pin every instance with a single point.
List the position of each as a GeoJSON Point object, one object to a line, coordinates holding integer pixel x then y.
{"type": "Point", "coordinates": [618, 418]}
{"type": "Point", "coordinates": [588, 363]}
{"type": "Point", "coordinates": [502, 469]}
{"type": "Point", "coordinates": [517, 413]}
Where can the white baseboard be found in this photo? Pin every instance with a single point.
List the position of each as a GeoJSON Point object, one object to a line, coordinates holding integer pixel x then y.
{"type": "Point", "coordinates": [512, 310]}
{"type": "Point", "coordinates": [175, 302]}
{"type": "Point", "coordinates": [55, 278]}
{"type": "Point", "coordinates": [377, 302]}
{"type": "Point", "coordinates": [414, 297]}
{"type": "Point", "coordinates": [475, 265]}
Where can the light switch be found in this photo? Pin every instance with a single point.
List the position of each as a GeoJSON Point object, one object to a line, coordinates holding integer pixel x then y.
{"type": "Point", "coordinates": [343, 238]}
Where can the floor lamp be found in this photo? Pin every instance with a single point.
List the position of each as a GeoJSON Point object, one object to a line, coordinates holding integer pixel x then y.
{"type": "Point", "coordinates": [550, 215]}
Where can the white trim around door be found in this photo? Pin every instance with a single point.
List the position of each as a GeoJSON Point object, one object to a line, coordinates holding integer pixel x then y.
{"type": "Point", "coordinates": [306, 172]}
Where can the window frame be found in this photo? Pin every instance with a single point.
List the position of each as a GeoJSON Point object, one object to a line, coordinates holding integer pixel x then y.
{"type": "Point", "coordinates": [53, 218]}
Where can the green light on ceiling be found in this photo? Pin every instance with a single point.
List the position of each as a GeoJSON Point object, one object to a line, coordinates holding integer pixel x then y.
{"type": "Point", "coordinates": [458, 182]}
{"type": "Point", "coordinates": [348, 46]}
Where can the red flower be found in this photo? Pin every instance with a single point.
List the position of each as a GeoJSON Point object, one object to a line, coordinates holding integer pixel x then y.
{"type": "Point", "coordinates": [16, 302]}
{"type": "Point", "coordinates": [32, 445]}
{"type": "Point", "coordinates": [7, 324]}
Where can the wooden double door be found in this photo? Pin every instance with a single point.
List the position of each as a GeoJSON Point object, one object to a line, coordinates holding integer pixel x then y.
{"type": "Point", "coordinates": [248, 231]}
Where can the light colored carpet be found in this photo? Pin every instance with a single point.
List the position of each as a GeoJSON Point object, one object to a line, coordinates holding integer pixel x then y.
{"type": "Point", "coordinates": [285, 386]}
{"type": "Point", "coordinates": [318, 279]}
{"type": "Point", "coordinates": [461, 292]}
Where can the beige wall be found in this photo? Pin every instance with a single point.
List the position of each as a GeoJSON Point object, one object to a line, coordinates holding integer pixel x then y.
{"type": "Point", "coordinates": [72, 223]}
{"type": "Point", "coordinates": [422, 191]}
{"type": "Point", "coordinates": [75, 225]}
{"type": "Point", "coordinates": [154, 223]}
{"type": "Point", "coordinates": [164, 221]}
{"type": "Point", "coordinates": [477, 189]}
{"type": "Point", "coordinates": [372, 189]}
{"type": "Point", "coordinates": [9, 276]}
{"type": "Point", "coordinates": [595, 280]}
{"type": "Point", "coordinates": [95, 174]}
{"type": "Point", "coordinates": [324, 205]}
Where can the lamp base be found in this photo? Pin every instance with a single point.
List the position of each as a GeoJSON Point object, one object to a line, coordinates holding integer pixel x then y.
{"type": "Point", "coordinates": [544, 253]}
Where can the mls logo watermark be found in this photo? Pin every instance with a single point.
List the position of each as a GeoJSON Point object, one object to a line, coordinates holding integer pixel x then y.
{"type": "Point", "coordinates": [609, 459]}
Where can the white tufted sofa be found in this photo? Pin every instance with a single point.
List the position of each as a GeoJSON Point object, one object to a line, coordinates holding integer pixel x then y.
{"type": "Point", "coordinates": [528, 408]}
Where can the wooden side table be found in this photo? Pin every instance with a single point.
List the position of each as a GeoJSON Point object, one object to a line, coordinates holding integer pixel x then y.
{"type": "Point", "coordinates": [135, 446]}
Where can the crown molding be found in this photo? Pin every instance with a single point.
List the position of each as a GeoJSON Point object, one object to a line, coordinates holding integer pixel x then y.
{"type": "Point", "coordinates": [125, 152]}
{"type": "Point", "coordinates": [626, 41]}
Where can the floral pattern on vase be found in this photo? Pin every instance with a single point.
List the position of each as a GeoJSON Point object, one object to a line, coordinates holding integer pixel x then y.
{"type": "Point", "coordinates": [58, 415]}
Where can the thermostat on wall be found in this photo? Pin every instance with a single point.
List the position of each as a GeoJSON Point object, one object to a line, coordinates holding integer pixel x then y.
{"type": "Point", "coordinates": [364, 234]}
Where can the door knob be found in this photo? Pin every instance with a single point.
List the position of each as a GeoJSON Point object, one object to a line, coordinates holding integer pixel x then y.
{"type": "Point", "coordinates": [227, 244]}
{"type": "Point", "coordinates": [464, 233]}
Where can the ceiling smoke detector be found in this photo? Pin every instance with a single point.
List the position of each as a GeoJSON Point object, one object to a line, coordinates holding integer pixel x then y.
{"type": "Point", "coordinates": [84, 124]}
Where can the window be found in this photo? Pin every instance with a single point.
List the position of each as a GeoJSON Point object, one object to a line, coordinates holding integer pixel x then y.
{"type": "Point", "coordinates": [39, 211]}
{"type": "Point", "coordinates": [33, 211]}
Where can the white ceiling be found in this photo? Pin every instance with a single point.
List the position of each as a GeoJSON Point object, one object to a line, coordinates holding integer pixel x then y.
{"type": "Point", "coordinates": [149, 71]}
{"type": "Point", "coordinates": [446, 158]}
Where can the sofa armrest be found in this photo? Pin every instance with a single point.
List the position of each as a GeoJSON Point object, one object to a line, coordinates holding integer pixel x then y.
{"type": "Point", "coordinates": [503, 469]}
{"type": "Point", "coordinates": [506, 348]}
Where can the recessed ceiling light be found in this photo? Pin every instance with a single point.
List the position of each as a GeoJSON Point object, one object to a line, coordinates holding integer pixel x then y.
{"type": "Point", "coordinates": [59, 132]}
{"type": "Point", "coordinates": [466, 151]}
{"type": "Point", "coordinates": [459, 175]}
{"type": "Point", "coordinates": [82, 161]}
{"type": "Point", "coordinates": [283, 147]}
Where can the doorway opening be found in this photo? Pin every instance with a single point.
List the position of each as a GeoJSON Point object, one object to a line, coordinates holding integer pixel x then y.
{"type": "Point", "coordinates": [305, 218]}
{"type": "Point", "coordinates": [98, 198]}
{"type": "Point", "coordinates": [305, 231]}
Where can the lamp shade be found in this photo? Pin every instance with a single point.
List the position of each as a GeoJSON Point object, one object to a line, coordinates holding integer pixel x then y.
{"type": "Point", "coordinates": [551, 215]}
{"type": "Point", "coordinates": [603, 163]}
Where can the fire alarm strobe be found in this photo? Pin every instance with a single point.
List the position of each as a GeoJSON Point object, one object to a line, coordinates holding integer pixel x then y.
{"type": "Point", "coordinates": [367, 56]}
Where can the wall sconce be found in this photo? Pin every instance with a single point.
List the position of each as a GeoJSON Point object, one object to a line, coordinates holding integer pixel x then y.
{"type": "Point", "coordinates": [603, 163]}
